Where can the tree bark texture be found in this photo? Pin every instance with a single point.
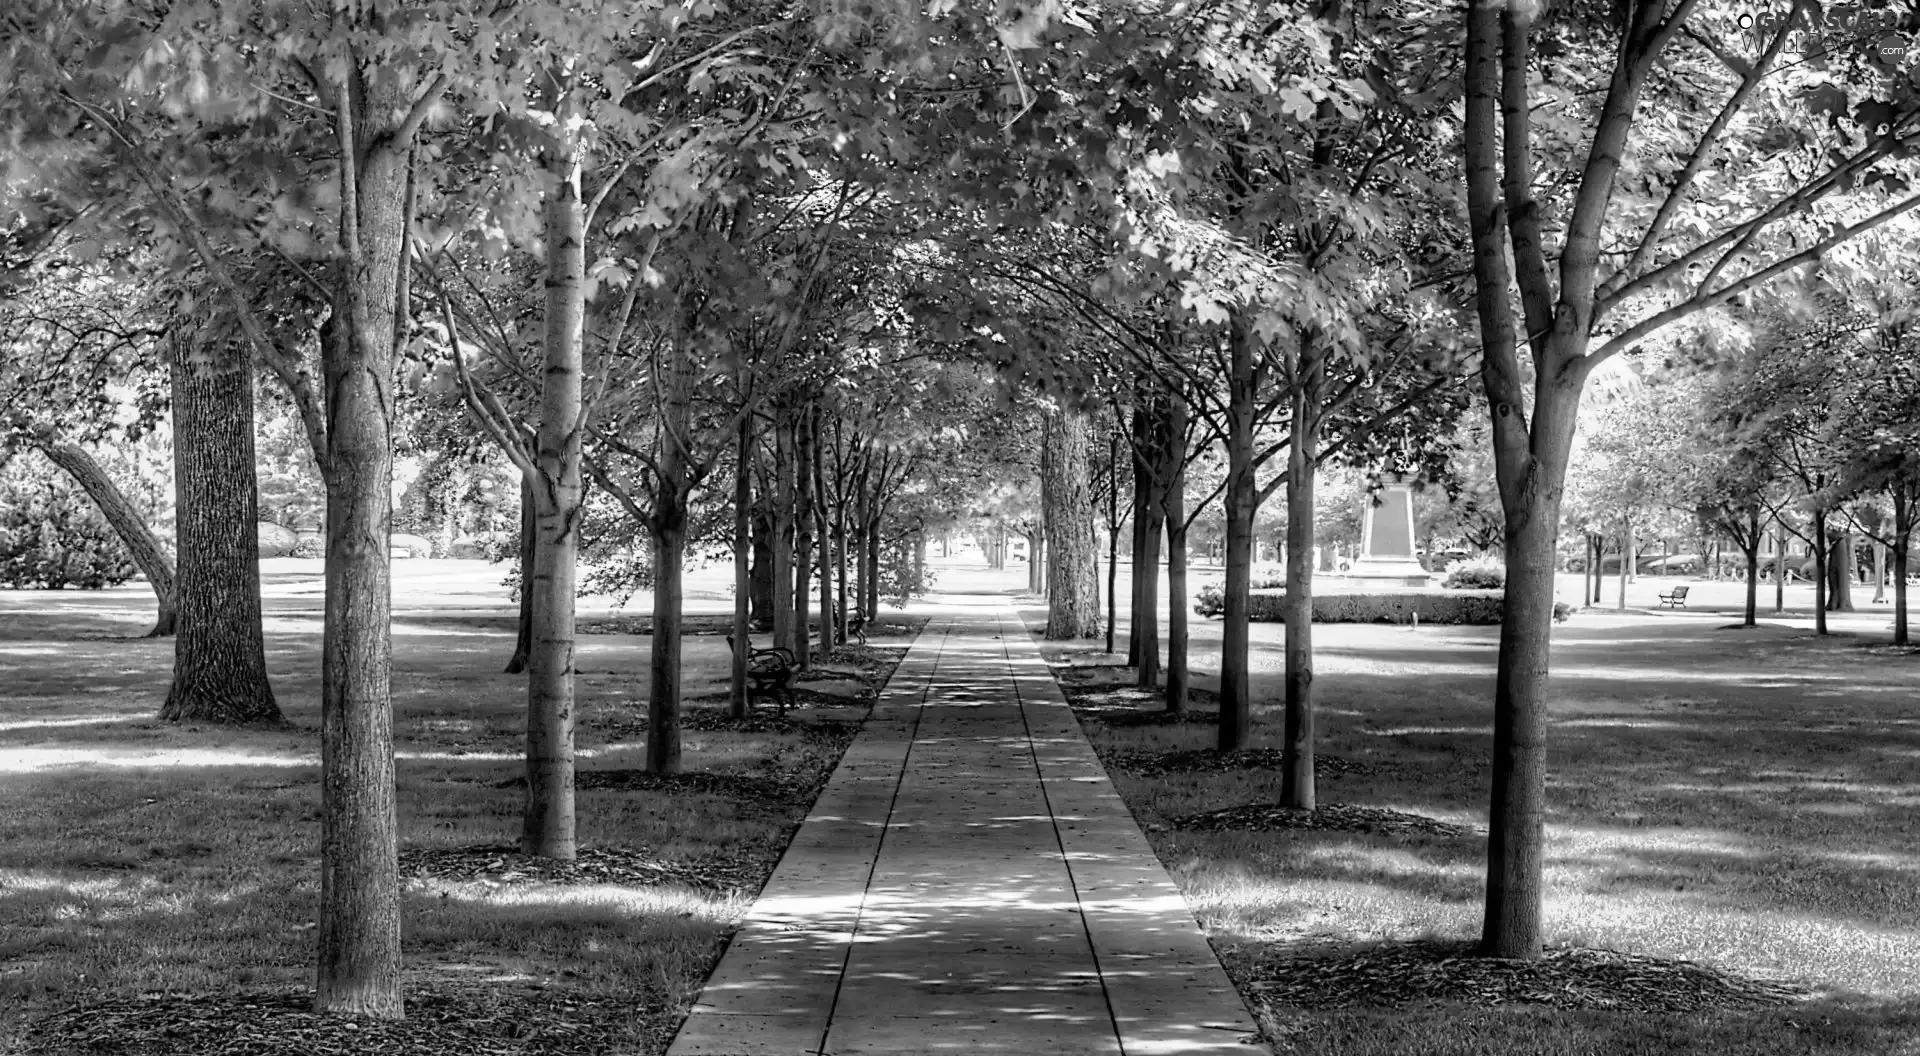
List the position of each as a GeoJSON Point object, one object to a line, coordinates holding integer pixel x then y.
{"type": "Point", "coordinates": [823, 526]}
{"type": "Point", "coordinates": [1750, 548]}
{"type": "Point", "coordinates": [1841, 572]}
{"type": "Point", "coordinates": [548, 822]}
{"type": "Point", "coordinates": [359, 920]}
{"type": "Point", "coordinates": [1113, 536]}
{"type": "Point", "coordinates": [128, 523]}
{"type": "Point", "coordinates": [803, 522]}
{"type": "Point", "coordinates": [1073, 568]}
{"type": "Point", "coordinates": [742, 564]}
{"type": "Point", "coordinates": [669, 532]}
{"type": "Point", "coordinates": [1296, 763]}
{"type": "Point", "coordinates": [784, 529]}
{"type": "Point", "coordinates": [1236, 706]}
{"type": "Point", "coordinates": [1174, 510]}
{"type": "Point", "coordinates": [1904, 500]}
{"type": "Point", "coordinates": [219, 651]}
{"type": "Point", "coordinates": [1146, 562]}
{"type": "Point", "coordinates": [1819, 548]}
{"type": "Point", "coordinates": [529, 537]}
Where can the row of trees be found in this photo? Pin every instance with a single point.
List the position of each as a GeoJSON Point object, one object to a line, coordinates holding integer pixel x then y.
{"type": "Point", "coordinates": [844, 263]}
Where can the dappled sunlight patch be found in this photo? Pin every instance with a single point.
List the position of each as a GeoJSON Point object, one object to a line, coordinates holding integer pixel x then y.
{"type": "Point", "coordinates": [28, 760]}
{"type": "Point", "coordinates": [1837, 953]}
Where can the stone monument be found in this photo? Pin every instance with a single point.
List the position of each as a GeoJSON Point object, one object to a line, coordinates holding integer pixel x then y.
{"type": "Point", "coordinates": [1386, 539]}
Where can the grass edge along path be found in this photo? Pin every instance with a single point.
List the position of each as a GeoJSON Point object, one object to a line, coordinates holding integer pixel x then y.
{"type": "Point", "coordinates": [1365, 987]}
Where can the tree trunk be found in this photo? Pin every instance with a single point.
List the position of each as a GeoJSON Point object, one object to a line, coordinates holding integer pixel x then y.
{"type": "Point", "coordinates": [1750, 546]}
{"type": "Point", "coordinates": [1903, 503]}
{"type": "Point", "coordinates": [823, 524]}
{"type": "Point", "coordinates": [760, 578]}
{"type": "Point", "coordinates": [359, 916]}
{"type": "Point", "coordinates": [1879, 572]}
{"type": "Point", "coordinates": [1236, 706]}
{"type": "Point", "coordinates": [219, 652]}
{"type": "Point", "coordinates": [1296, 765]}
{"type": "Point", "coordinates": [529, 538]}
{"type": "Point", "coordinates": [669, 533]}
{"type": "Point", "coordinates": [1113, 536]}
{"type": "Point", "coordinates": [128, 524]}
{"type": "Point", "coordinates": [785, 528]}
{"type": "Point", "coordinates": [1073, 567]}
{"type": "Point", "coordinates": [1779, 566]}
{"type": "Point", "coordinates": [1626, 563]}
{"type": "Point", "coordinates": [1598, 572]}
{"type": "Point", "coordinates": [1174, 510]}
{"type": "Point", "coordinates": [803, 522]}
{"type": "Point", "coordinates": [1841, 574]}
{"type": "Point", "coordinates": [1146, 563]}
{"type": "Point", "coordinates": [1819, 549]}
{"type": "Point", "coordinates": [547, 828]}
{"type": "Point", "coordinates": [742, 565]}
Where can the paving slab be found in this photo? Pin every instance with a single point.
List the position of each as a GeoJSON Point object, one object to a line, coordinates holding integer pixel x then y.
{"type": "Point", "coordinates": [968, 881]}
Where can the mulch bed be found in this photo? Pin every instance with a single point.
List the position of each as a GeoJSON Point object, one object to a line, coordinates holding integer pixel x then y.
{"type": "Point", "coordinates": [1337, 817]}
{"type": "Point", "coordinates": [1209, 761]}
{"type": "Point", "coordinates": [1398, 974]}
{"type": "Point", "coordinates": [743, 869]}
{"type": "Point", "coordinates": [470, 1021]}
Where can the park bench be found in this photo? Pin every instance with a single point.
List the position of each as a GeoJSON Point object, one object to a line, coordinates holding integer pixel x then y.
{"type": "Point", "coordinates": [769, 670]}
{"type": "Point", "coordinates": [1676, 599]}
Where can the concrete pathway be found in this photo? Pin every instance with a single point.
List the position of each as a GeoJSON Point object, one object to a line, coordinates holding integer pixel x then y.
{"type": "Point", "coordinates": [968, 882]}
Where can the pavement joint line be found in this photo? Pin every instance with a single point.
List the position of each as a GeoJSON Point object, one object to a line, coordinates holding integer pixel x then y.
{"type": "Point", "coordinates": [1073, 882]}
{"type": "Point", "coordinates": [879, 847]}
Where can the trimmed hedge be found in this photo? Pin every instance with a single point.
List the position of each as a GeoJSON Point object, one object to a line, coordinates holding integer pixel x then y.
{"type": "Point", "coordinates": [1480, 607]}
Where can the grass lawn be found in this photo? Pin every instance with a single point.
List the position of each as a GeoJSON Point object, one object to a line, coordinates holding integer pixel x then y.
{"type": "Point", "coordinates": [143, 857]}
{"type": "Point", "coordinates": [1745, 800]}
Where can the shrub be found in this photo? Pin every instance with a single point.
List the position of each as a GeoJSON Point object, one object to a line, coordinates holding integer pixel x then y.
{"type": "Point", "coordinates": [1476, 607]}
{"type": "Point", "coordinates": [51, 536]}
{"type": "Point", "coordinates": [1481, 573]}
{"type": "Point", "coordinates": [1210, 599]}
{"type": "Point", "coordinates": [275, 540]}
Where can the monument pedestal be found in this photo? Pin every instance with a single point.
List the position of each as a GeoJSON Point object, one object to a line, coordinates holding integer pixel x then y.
{"type": "Point", "coordinates": [1386, 541]}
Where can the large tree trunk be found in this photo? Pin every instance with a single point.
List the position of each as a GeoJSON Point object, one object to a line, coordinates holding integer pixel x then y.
{"type": "Point", "coordinates": [760, 578]}
{"type": "Point", "coordinates": [359, 918]}
{"type": "Point", "coordinates": [548, 821]}
{"type": "Point", "coordinates": [1296, 779]}
{"type": "Point", "coordinates": [127, 523]}
{"type": "Point", "coordinates": [529, 538]}
{"type": "Point", "coordinates": [1879, 572]}
{"type": "Point", "coordinates": [1236, 706]}
{"type": "Point", "coordinates": [1073, 569]}
{"type": "Point", "coordinates": [219, 652]}
{"type": "Point", "coordinates": [742, 565]}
